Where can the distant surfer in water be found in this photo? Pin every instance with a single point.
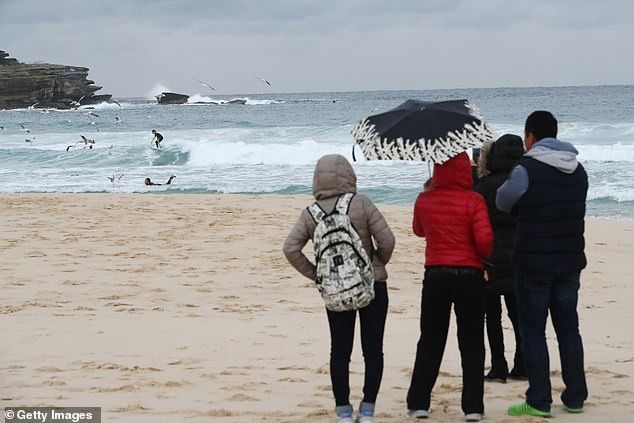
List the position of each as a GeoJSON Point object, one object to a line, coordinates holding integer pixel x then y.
{"type": "Point", "coordinates": [157, 138]}
{"type": "Point", "coordinates": [148, 181]}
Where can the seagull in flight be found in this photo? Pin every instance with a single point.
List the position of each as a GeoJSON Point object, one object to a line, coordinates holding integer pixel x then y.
{"type": "Point", "coordinates": [259, 78]}
{"type": "Point", "coordinates": [86, 140]}
{"type": "Point", "coordinates": [116, 102]}
{"type": "Point", "coordinates": [111, 179]}
{"type": "Point", "coordinates": [32, 106]}
{"type": "Point", "coordinates": [206, 85]}
{"type": "Point", "coordinates": [25, 129]}
{"type": "Point", "coordinates": [92, 122]}
{"type": "Point", "coordinates": [69, 147]}
{"type": "Point", "coordinates": [78, 102]}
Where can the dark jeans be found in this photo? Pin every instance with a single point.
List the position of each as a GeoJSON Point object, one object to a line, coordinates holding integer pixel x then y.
{"type": "Point", "coordinates": [441, 290]}
{"type": "Point", "coordinates": [495, 334]}
{"type": "Point", "coordinates": [341, 340]}
{"type": "Point", "coordinates": [535, 296]}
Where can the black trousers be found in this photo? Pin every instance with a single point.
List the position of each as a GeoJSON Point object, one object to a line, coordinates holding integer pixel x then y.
{"type": "Point", "coordinates": [341, 340]}
{"type": "Point", "coordinates": [495, 334]}
{"type": "Point", "coordinates": [465, 290]}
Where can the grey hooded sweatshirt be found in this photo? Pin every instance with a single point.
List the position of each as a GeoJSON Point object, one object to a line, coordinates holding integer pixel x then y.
{"type": "Point", "coordinates": [558, 154]}
{"type": "Point", "coordinates": [334, 176]}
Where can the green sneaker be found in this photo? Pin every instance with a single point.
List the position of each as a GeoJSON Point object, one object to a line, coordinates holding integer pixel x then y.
{"type": "Point", "coordinates": [573, 410]}
{"type": "Point", "coordinates": [524, 409]}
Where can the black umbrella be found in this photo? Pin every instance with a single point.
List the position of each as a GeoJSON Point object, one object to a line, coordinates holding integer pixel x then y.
{"type": "Point", "coordinates": [422, 130]}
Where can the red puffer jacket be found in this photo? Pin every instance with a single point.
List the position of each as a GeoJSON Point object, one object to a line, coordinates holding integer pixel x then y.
{"type": "Point", "coordinates": [453, 218]}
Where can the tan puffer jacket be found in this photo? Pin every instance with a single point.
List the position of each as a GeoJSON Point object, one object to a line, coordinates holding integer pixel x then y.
{"type": "Point", "coordinates": [334, 176]}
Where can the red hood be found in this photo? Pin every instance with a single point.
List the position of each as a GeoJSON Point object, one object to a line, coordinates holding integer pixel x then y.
{"type": "Point", "coordinates": [454, 172]}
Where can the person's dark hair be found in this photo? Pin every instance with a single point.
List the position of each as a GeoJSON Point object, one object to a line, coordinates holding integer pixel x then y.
{"type": "Point", "coordinates": [541, 124]}
{"type": "Point", "coordinates": [153, 130]}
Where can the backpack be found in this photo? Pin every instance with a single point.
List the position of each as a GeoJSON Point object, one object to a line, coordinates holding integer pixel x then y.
{"type": "Point", "coordinates": [345, 276]}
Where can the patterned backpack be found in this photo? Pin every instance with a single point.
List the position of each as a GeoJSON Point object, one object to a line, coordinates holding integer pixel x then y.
{"type": "Point", "coordinates": [345, 276]}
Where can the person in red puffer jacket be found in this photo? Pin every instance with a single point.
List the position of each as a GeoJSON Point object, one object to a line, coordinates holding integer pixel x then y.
{"type": "Point", "coordinates": [455, 222]}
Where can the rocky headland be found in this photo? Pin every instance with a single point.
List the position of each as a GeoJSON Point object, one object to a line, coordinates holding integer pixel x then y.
{"type": "Point", "coordinates": [45, 85]}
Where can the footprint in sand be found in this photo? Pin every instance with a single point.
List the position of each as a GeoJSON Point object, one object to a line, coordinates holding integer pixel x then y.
{"type": "Point", "coordinates": [123, 388]}
{"type": "Point", "coordinates": [292, 368]}
{"type": "Point", "coordinates": [242, 397]}
{"type": "Point", "coordinates": [310, 404]}
{"type": "Point", "coordinates": [133, 408]}
{"type": "Point", "coordinates": [48, 370]}
{"type": "Point", "coordinates": [291, 380]}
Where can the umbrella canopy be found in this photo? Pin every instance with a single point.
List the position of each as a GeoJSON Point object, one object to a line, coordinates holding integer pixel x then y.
{"type": "Point", "coordinates": [422, 130]}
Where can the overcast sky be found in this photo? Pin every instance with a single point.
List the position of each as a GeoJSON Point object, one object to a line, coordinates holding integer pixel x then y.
{"type": "Point", "coordinates": [326, 45]}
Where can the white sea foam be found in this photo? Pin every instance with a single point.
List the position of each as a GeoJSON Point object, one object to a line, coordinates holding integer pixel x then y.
{"type": "Point", "coordinates": [197, 98]}
{"type": "Point", "coordinates": [203, 99]}
{"type": "Point", "coordinates": [576, 132]}
{"type": "Point", "coordinates": [104, 106]}
{"type": "Point", "coordinates": [606, 153]}
{"type": "Point", "coordinates": [256, 102]}
{"type": "Point", "coordinates": [205, 152]}
{"type": "Point", "coordinates": [156, 90]}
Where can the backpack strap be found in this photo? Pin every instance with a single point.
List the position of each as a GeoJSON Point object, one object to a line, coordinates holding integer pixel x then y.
{"type": "Point", "coordinates": [316, 212]}
{"type": "Point", "coordinates": [343, 203]}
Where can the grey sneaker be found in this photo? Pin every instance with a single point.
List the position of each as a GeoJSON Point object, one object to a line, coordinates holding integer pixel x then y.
{"type": "Point", "coordinates": [366, 413]}
{"type": "Point", "coordinates": [418, 414]}
{"type": "Point", "coordinates": [344, 414]}
{"type": "Point", "coordinates": [473, 417]}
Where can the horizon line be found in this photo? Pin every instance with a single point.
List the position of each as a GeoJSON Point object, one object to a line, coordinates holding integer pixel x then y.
{"type": "Point", "coordinates": [394, 90]}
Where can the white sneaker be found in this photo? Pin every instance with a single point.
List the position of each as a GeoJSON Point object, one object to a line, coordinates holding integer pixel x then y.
{"type": "Point", "coordinates": [418, 414]}
{"type": "Point", "coordinates": [344, 419]}
{"type": "Point", "coordinates": [473, 417]}
{"type": "Point", "coordinates": [364, 419]}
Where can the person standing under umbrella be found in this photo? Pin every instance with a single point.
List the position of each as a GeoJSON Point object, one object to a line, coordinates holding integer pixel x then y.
{"type": "Point", "coordinates": [455, 222]}
{"type": "Point", "coordinates": [548, 189]}
{"type": "Point", "coordinates": [495, 163]}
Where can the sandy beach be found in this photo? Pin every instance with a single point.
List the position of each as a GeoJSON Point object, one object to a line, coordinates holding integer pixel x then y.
{"type": "Point", "coordinates": [165, 308]}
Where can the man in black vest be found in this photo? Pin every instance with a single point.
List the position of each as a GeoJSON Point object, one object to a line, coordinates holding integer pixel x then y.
{"type": "Point", "coordinates": [547, 190]}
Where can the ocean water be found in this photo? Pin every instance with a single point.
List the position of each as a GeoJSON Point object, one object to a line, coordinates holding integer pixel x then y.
{"type": "Point", "coordinates": [271, 144]}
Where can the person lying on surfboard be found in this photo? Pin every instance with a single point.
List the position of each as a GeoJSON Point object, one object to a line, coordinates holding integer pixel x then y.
{"type": "Point", "coordinates": [157, 138]}
{"type": "Point", "coordinates": [148, 181]}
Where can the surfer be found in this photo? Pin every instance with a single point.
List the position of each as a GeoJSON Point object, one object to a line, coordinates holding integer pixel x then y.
{"type": "Point", "coordinates": [148, 181]}
{"type": "Point", "coordinates": [157, 138]}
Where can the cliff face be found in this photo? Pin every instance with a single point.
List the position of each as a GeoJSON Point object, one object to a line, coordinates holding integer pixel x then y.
{"type": "Point", "coordinates": [51, 86]}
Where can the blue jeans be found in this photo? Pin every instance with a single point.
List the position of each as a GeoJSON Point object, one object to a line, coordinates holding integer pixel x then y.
{"type": "Point", "coordinates": [536, 294]}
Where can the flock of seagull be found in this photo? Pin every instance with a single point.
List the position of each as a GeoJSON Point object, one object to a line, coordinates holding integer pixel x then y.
{"type": "Point", "coordinates": [88, 142]}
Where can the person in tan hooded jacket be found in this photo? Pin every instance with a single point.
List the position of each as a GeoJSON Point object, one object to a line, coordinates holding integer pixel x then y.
{"type": "Point", "coordinates": [334, 176]}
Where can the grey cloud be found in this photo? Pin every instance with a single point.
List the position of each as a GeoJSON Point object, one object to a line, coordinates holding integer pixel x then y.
{"type": "Point", "coordinates": [324, 45]}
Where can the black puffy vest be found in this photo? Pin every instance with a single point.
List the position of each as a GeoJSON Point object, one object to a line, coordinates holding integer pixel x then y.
{"type": "Point", "coordinates": [551, 220]}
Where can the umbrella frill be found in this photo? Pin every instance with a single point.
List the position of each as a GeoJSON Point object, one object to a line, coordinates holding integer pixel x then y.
{"type": "Point", "coordinates": [437, 150]}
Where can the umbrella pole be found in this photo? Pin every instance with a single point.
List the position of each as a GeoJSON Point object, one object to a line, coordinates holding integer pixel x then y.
{"type": "Point", "coordinates": [428, 170]}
